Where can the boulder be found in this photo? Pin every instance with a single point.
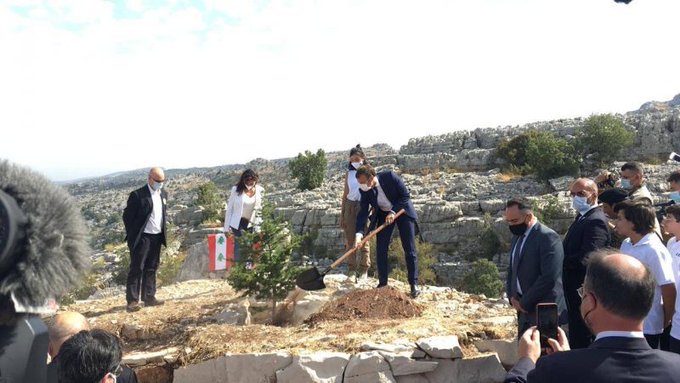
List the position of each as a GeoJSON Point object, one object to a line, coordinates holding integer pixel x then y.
{"type": "Point", "coordinates": [235, 368]}
{"type": "Point", "coordinates": [505, 349]}
{"type": "Point", "coordinates": [368, 367]}
{"type": "Point", "coordinates": [402, 364]}
{"type": "Point", "coordinates": [441, 347]}
{"type": "Point", "coordinates": [320, 367]}
{"type": "Point", "coordinates": [480, 369]}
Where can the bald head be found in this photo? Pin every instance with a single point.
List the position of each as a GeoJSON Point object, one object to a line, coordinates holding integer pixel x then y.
{"type": "Point", "coordinates": [63, 326]}
{"type": "Point", "coordinates": [584, 187]}
{"type": "Point", "coordinates": [623, 285]}
{"type": "Point", "coordinates": [156, 176]}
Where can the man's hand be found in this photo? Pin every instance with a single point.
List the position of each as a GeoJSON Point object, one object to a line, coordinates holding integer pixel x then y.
{"type": "Point", "coordinates": [515, 303]}
{"type": "Point", "coordinates": [561, 344]}
{"type": "Point", "coordinates": [357, 240]}
{"type": "Point", "coordinates": [390, 218]}
{"type": "Point", "coordinates": [530, 344]}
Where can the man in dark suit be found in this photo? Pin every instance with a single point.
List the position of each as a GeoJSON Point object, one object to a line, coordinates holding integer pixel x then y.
{"type": "Point", "coordinates": [535, 272]}
{"type": "Point", "coordinates": [617, 294]}
{"type": "Point", "coordinates": [144, 219]}
{"type": "Point", "coordinates": [387, 194]}
{"type": "Point", "coordinates": [588, 232]}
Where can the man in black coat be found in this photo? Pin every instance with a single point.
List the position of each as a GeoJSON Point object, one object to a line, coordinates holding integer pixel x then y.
{"type": "Point", "coordinates": [144, 219]}
{"type": "Point", "coordinates": [535, 272]}
{"type": "Point", "coordinates": [588, 232]}
{"type": "Point", "coordinates": [617, 295]}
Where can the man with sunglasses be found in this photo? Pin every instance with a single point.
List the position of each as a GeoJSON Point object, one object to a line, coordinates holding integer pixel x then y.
{"type": "Point", "coordinates": [588, 232]}
{"type": "Point", "coordinates": [144, 219]}
{"type": "Point", "coordinates": [91, 357]}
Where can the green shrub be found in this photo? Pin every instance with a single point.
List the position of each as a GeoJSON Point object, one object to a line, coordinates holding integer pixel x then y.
{"type": "Point", "coordinates": [265, 268]}
{"type": "Point", "coordinates": [605, 136]}
{"type": "Point", "coordinates": [548, 209]}
{"type": "Point", "coordinates": [483, 278]}
{"type": "Point", "coordinates": [309, 169]}
{"type": "Point", "coordinates": [209, 198]}
{"type": "Point", "coordinates": [489, 241]}
{"type": "Point", "coordinates": [427, 257]}
{"type": "Point", "coordinates": [549, 156]}
{"type": "Point", "coordinates": [513, 153]}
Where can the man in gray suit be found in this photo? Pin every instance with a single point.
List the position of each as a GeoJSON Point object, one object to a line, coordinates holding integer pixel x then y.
{"type": "Point", "coordinates": [535, 271]}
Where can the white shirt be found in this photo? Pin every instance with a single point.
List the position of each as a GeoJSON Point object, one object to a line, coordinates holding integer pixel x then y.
{"type": "Point", "coordinates": [518, 250]}
{"type": "Point", "coordinates": [155, 221]}
{"type": "Point", "coordinates": [674, 248]}
{"type": "Point", "coordinates": [383, 203]}
{"type": "Point", "coordinates": [353, 193]}
{"type": "Point", "coordinates": [652, 252]}
{"type": "Point", "coordinates": [621, 334]}
{"type": "Point", "coordinates": [248, 206]}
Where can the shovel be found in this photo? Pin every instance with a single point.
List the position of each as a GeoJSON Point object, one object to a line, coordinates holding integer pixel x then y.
{"type": "Point", "coordinates": [312, 279]}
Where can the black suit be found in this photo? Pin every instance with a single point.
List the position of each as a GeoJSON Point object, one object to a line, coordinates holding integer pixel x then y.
{"type": "Point", "coordinates": [538, 268]}
{"type": "Point", "coordinates": [587, 234]}
{"type": "Point", "coordinates": [612, 359]}
{"type": "Point", "coordinates": [144, 248]}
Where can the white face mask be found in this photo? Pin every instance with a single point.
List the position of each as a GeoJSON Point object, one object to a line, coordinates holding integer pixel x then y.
{"type": "Point", "coordinates": [249, 188]}
{"type": "Point", "coordinates": [157, 185]}
{"type": "Point", "coordinates": [364, 187]}
{"type": "Point", "coordinates": [357, 165]}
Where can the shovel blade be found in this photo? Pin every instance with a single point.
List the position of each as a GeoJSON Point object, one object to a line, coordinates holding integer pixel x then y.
{"type": "Point", "coordinates": [310, 280]}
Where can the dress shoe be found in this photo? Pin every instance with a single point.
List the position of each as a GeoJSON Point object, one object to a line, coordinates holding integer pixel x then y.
{"type": "Point", "coordinates": [133, 307]}
{"type": "Point", "coordinates": [153, 302]}
{"type": "Point", "coordinates": [381, 285]}
{"type": "Point", "coordinates": [414, 291]}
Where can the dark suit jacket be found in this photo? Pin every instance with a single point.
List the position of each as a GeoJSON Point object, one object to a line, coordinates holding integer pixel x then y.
{"type": "Point", "coordinates": [585, 235]}
{"type": "Point", "coordinates": [540, 269]}
{"type": "Point", "coordinates": [612, 359]}
{"type": "Point", "coordinates": [395, 191]}
{"type": "Point", "coordinates": [136, 214]}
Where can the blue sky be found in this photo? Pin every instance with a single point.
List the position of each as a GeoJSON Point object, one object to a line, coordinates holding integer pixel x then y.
{"type": "Point", "coordinates": [93, 86]}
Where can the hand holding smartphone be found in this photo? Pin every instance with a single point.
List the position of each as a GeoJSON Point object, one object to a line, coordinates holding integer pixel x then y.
{"type": "Point", "coordinates": [546, 322]}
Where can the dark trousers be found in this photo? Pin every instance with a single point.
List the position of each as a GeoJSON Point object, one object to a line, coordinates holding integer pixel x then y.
{"type": "Point", "coordinates": [674, 345]}
{"type": "Point", "coordinates": [243, 226]}
{"type": "Point", "coordinates": [524, 321]}
{"type": "Point", "coordinates": [407, 233]}
{"type": "Point", "coordinates": [653, 340]}
{"type": "Point", "coordinates": [665, 341]}
{"type": "Point", "coordinates": [579, 335]}
{"type": "Point", "coordinates": [144, 260]}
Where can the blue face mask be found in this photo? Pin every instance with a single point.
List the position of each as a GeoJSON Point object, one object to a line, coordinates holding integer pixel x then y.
{"type": "Point", "coordinates": [581, 204]}
{"type": "Point", "coordinates": [675, 196]}
{"type": "Point", "coordinates": [157, 185]}
{"type": "Point", "coordinates": [626, 183]}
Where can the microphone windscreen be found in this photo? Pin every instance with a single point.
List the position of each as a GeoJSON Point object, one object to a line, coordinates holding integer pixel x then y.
{"type": "Point", "coordinates": [55, 254]}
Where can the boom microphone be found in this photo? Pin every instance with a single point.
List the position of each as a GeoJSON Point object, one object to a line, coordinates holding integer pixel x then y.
{"type": "Point", "coordinates": [43, 253]}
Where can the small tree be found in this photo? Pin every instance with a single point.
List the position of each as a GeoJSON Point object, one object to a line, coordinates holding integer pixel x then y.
{"type": "Point", "coordinates": [265, 268]}
{"type": "Point", "coordinates": [513, 152]}
{"type": "Point", "coordinates": [212, 203]}
{"type": "Point", "coordinates": [605, 136]}
{"type": "Point", "coordinates": [483, 278]}
{"type": "Point", "coordinates": [309, 169]}
{"type": "Point", "coordinates": [490, 243]}
{"type": "Point", "coordinates": [427, 257]}
{"type": "Point", "coordinates": [550, 156]}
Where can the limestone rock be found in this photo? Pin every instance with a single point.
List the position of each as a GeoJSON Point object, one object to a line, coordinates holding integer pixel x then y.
{"type": "Point", "coordinates": [505, 349]}
{"type": "Point", "coordinates": [368, 367]}
{"type": "Point", "coordinates": [235, 368]}
{"type": "Point", "coordinates": [320, 367]}
{"type": "Point", "coordinates": [480, 369]}
{"type": "Point", "coordinates": [441, 347]}
{"type": "Point", "coordinates": [402, 364]}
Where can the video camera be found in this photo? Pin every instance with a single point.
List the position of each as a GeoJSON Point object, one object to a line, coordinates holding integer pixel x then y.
{"type": "Point", "coordinates": [43, 253]}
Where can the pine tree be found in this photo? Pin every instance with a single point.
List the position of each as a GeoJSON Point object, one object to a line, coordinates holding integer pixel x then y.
{"type": "Point", "coordinates": [265, 267]}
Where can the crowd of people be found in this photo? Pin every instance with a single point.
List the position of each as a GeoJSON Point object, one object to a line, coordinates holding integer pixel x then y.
{"type": "Point", "coordinates": [613, 279]}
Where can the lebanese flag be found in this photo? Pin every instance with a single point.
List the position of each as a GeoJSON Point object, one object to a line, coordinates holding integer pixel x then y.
{"type": "Point", "coordinates": [220, 252]}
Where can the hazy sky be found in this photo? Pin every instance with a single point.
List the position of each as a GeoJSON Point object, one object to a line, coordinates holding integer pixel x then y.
{"type": "Point", "coordinates": [90, 87]}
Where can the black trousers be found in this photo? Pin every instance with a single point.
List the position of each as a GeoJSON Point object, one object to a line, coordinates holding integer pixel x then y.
{"type": "Point", "coordinates": [144, 260]}
{"type": "Point", "coordinates": [407, 234]}
{"type": "Point", "coordinates": [579, 335]}
{"type": "Point", "coordinates": [674, 345]}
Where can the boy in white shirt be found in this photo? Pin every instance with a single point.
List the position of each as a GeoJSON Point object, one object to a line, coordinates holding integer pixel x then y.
{"type": "Point", "coordinates": [671, 225]}
{"type": "Point", "coordinates": [636, 222]}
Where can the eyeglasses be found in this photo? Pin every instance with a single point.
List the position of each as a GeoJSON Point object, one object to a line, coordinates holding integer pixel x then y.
{"type": "Point", "coordinates": [580, 292]}
{"type": "Point", "coordinates": [581, 193]}
{"type": "Point", "coordinates": [117, 371]}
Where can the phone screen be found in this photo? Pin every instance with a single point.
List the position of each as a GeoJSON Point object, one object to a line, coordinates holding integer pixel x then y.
{"type": "Point", "coordinates": [546, 321]}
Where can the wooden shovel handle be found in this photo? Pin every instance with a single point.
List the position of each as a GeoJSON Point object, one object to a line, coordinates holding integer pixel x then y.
{"type": "Point", "coordinates": [363, 241]}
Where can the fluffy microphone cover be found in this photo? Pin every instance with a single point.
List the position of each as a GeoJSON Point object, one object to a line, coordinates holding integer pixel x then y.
{"type": "Point", "coordinates": [56, 253]}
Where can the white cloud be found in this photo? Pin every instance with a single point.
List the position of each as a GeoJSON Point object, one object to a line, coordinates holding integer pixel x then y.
{"type": "Point", "coordinates": [161, 87]}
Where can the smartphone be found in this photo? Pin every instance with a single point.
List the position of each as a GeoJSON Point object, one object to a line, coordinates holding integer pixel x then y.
{"type": "Point", "coordinates": [546, 321]}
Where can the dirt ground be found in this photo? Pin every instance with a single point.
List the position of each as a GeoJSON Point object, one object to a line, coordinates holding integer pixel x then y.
{"type": "Point", "coordinates": [186, 321]}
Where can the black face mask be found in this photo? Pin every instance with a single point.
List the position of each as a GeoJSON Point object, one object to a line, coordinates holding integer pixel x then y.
{"type": "Point", "coordinates": [518, 229]}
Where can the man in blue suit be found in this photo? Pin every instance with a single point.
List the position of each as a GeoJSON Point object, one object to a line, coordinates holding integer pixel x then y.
{"type": "Point", "coordinates": [387, 194]}
{"type": "Point", "coordinates": [535, 271]}
{"type": "Point", "coordinates": [616, 296]}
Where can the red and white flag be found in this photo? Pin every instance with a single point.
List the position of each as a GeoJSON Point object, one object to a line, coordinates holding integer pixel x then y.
{"type": "Point", "coordinates": [220, 252]}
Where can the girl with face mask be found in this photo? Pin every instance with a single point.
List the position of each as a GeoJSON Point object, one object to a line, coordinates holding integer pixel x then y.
{"type": "Point", "coordinates": [244, 207]}
{"type": "Point", "coordinates": [350, 205]}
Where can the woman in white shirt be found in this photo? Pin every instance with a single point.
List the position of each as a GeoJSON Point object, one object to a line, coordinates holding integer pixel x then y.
{"type": "Point", "coordinates": [350, 206]}
{"type": "Point", "coordinates": [244, 207]}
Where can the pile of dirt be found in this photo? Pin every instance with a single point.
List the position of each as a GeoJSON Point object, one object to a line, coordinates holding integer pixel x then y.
{"type": "Point", "coordinates": [382, 303]}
